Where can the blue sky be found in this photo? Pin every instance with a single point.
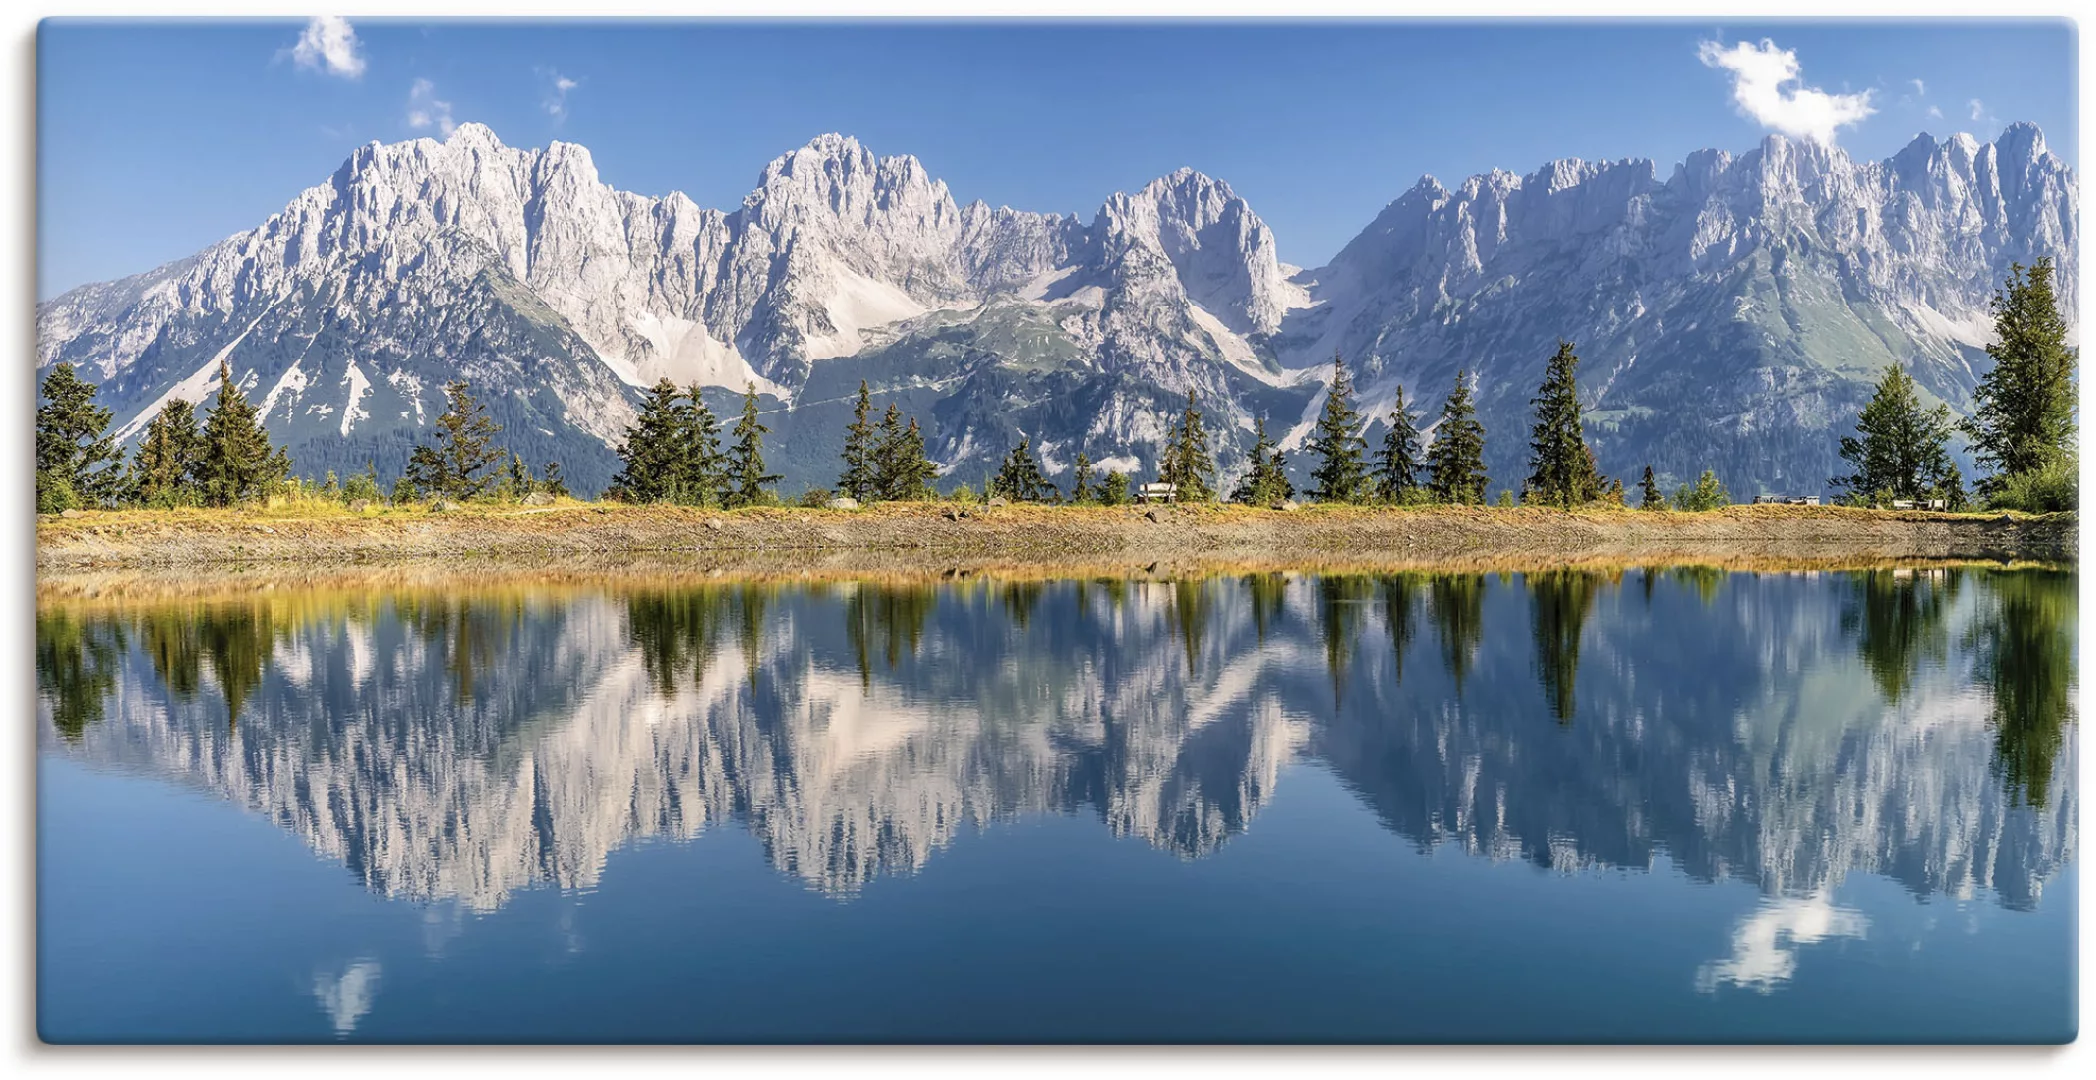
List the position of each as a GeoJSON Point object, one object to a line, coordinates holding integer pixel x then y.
{"type": "Point", "coordinates": [157, 139]}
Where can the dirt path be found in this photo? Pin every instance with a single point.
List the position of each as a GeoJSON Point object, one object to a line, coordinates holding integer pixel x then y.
{"type": "Point", "coordinates": [932, 534]}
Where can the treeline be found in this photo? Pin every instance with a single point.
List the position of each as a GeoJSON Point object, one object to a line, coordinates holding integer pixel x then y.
{"type": "Point", "coordinates": [2022, 432]}
{"type": "Point", "coordinates": [226, 458]}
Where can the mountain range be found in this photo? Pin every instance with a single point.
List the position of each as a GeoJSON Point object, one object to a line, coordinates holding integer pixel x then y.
{"type": "Point", "coordinates": [1730, 315]}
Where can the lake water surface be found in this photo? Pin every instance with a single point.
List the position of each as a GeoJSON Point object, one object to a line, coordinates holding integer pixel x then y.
{"type": "Point", "coordinates": [1650, 804]}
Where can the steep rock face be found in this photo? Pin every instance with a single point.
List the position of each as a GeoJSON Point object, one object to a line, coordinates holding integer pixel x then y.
{"type": "Point", "coordinates": [1730, 315]}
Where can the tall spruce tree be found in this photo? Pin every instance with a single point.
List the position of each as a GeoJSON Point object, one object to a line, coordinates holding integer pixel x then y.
{"type": "Point", "coordinates": [1266, 483]}
{"type": "Point", "coordinates": [1456, 461]}
{"type": "Point", "coordinates": [858, 479]}
{"type": "Point", "coordinates": [164, 468]}
{"type": "Point", "coordinates": [904, 473]}
{"type": "Point", "coordinates": [75, 456]}
{"type": "Point", "coordinates": [1341, 475]}
{"type": "Point", "coordinates": [1081, 487]}
{"type": "Point", "coordinates": [460, 461]}
{"type": "Point", "coordinates": [746, 475]}
{"type": "Point", "coordinates": [1020, 478]}
{"type": "Point", "coordinates": [705, 465]}
{"type": "Point", "coordinates": [1561, 466]}
{"type": "Point", "coordinates": [1650, 497]}
{"type": "Point", "coordinates": [652, 462]}
{"type": "Point", "coordinates": [2023, 410]}
{"type": "Point", "coordinates": [1188, 462]}
{"type": "Point", "coordinates": [1904, 451]}
{"type": "Point", "coordinates": [1397, 464]}
{"type": "Point", "coordinates": [239, 462]}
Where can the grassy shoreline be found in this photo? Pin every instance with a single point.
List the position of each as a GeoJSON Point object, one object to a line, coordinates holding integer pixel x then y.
{"type": "Point", "coordinates": [903, 536]}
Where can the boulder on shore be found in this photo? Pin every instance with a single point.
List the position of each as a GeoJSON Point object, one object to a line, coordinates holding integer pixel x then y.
{"type": "Point", "coordinates": [442, 506]}
{"type": "Point", "coordinates": [843, 502]}
{"type": "Point", "coordinates": [999, 500]}
{"type": "Point", "coordinates": [538, 498]}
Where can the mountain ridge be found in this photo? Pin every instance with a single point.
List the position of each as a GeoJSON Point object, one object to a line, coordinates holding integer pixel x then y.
{"type": "Point", "coordinates": [1724, 311]}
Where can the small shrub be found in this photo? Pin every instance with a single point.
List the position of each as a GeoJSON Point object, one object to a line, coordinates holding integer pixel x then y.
{"type": "Point", "coordinates": [815, 498]}
{"type": "Point", "coordinates": [2053, 488]}
{"type": "Point", "coordinates": [963, 494]}
{"type": "Point", "coordinates": [1506, 500]}
{"type": "Point", "coordinates": [1707, 494]}
{"type": "Point", "coordinates": [55, 495]}
{"type": "Point", "coordinates": [1114, 490]}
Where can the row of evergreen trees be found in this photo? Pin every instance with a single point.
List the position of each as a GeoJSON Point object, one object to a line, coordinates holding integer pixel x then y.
{"type": "Point", "coordinates": [673, 453]}
{"type": "Point", "coordinates": [227, 458]}
{"type": "Point", "coordinates": [2022, 428]}
{"type": "Point", "coordinates": [2022, 431]}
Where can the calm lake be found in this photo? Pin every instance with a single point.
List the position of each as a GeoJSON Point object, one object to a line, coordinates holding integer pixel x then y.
{"type": "Point", "coordinates": [1650, 804]}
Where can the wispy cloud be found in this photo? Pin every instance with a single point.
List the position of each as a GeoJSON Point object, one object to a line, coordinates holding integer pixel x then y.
{"type": "Point", "coordinates": [426, 111]}
{"type": "Point", "coordinates": [329, 45]}
{"type": "Point", "coordinates": [1768, 88]}
{"type": "Point", "coordinates": [557, 86]}
{"type": "Point", "coordinates": [1935, 113]}
{"type": "Point", "coordinates": [1921, 89]}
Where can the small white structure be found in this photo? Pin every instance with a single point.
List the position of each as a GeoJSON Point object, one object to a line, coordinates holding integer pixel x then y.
{"type": "Point", "coordinates": [1150, 493]}
{"type": "Point", "coordinates": [1802, 500]}
{"type": "Point", "coordinates": [1903, 504]}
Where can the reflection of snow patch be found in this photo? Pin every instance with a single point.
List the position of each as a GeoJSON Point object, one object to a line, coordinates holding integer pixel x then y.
{"type": "Point", "coordinates": [346, 998]}
{"type": "Point", "coordinates": [358, 387]}
{"type": "Point", "coordinates": [857, 303]}
{"type": "Point", "coordinates": [1764, 945]}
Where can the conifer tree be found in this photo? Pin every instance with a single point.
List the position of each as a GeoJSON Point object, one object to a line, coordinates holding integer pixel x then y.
{"type": "Point", "coordinates": [556, 484]}
{"type": "Point", "coordinates": [520, 482]}
{"type": "Point", "coordinates": [1904, 451]}
{"type": "Point", "coordinates": [858, 479]}
{"type": "Point", "coordinates": [74, 452]}
{"type": "Point", "coordinates": [460, 462]}
{"type": "Point", "coordinates": [1561, 465]}
{"type": "Point", "coordinates": [2023, 410]}
{"type": "Point", "coordinates": [1266, 484]}
{"type": "Point", "coordinates": [1187, 462]}
{"type": "Point", "coordinates": [1707, 494]}
{"type": "Point", "coordinates": [1456, 461]}
{"type": "Point", "coordinates": [239, 463]}
{"type": "Point", "coordinates": [1397, 465]}
{"type": "Point", "coordinates": [1113, 491]}
{"type": "Point", "coordinates": [705, 466]}
{"type": "Point", "coordinates": [905, 475]}
{"type": "Point", "coordinates": [1650, 499]}
{"type": "Point", "coordinates": [1081, 489]}
{"type": "Point", "coordinates": [885, 455]}
{"type": "Point", "coordinates": [1020, 479]}
{"type": "Point", "coordinates": [746, 476]}
{"type": "Point", "coordinates": [653, 463]}
{"type": "Point", "coordinates": [164, 468]}
{"type": "Point", "coordinates": [1341, 475]}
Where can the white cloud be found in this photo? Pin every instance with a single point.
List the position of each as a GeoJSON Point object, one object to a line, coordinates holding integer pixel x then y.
{"type": "Point", "coordinates": [1921, 89]}
{"type": "Point", "coordinates": [1935, 113]}
{"type": "Point", "coordinates": [556, 100]}
{"type": "Point", "coordinates": [328, 44]}
{"type": "Point", "coordinates": [1978, 109]}
{"type": "Point", "coordinates": [425, 111]}
{"type": "Point", "coordinates": [1767, 87]}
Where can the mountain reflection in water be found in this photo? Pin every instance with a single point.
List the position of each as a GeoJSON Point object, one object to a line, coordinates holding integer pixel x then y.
{"type": "Point", "coordinates": [1781, 729]}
